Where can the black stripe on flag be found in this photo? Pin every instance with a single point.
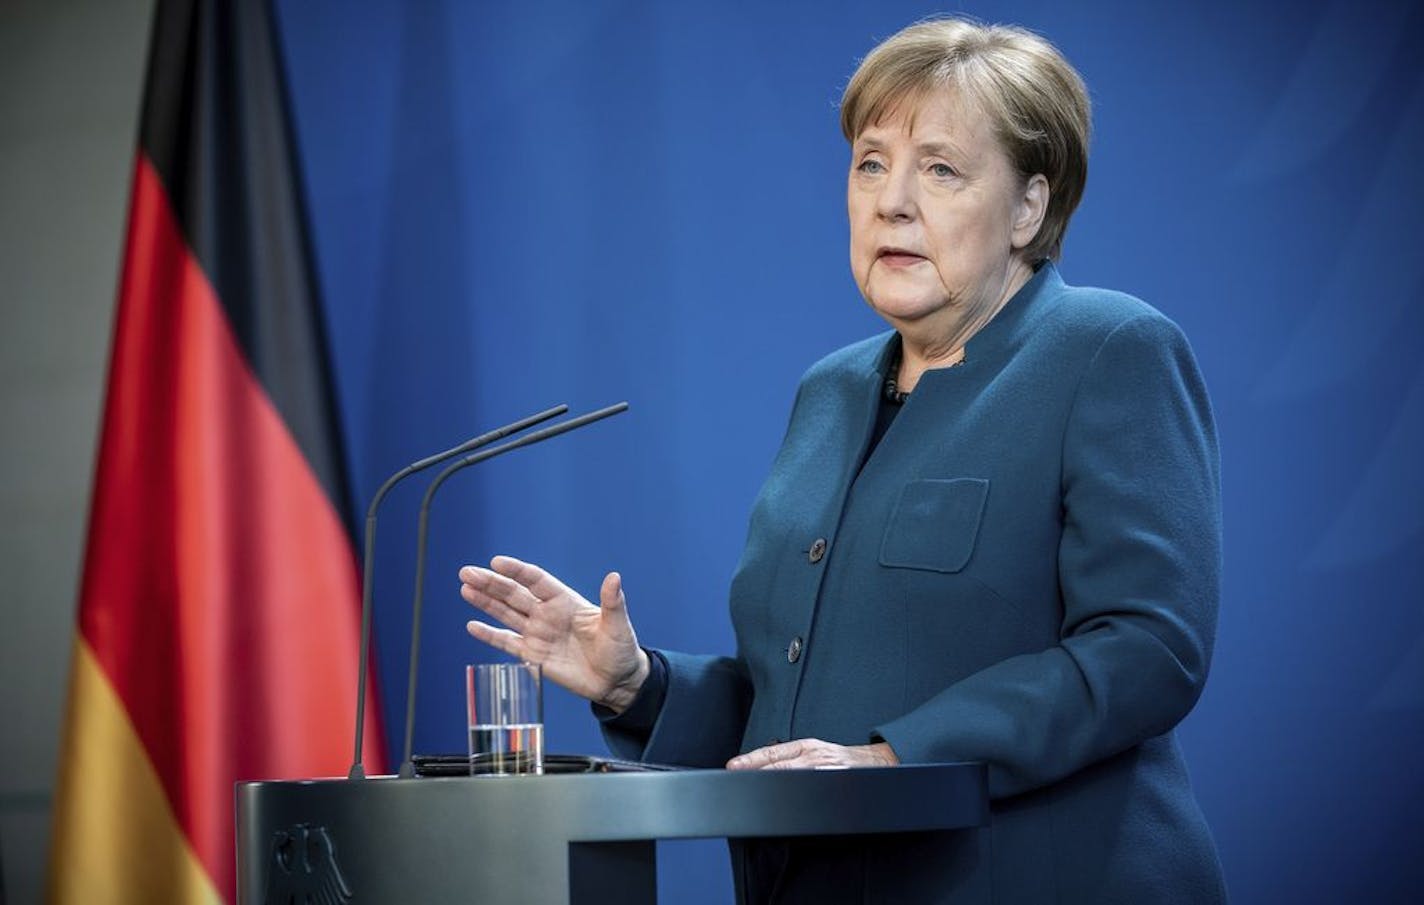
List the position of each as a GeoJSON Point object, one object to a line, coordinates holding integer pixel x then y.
{"type": "Point", "coordinates": [217, 129]}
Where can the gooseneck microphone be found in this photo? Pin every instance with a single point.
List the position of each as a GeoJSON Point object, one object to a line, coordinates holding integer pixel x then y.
{"type": "Point", "coordinates": [407, 768]}
{"type": "Point", "coordinates": [358, 768]}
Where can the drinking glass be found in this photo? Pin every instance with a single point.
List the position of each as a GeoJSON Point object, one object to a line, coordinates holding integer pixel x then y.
{"type": "Point", "coordinates": [505, 706]}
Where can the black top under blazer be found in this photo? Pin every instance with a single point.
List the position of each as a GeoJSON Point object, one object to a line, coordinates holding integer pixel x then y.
{"type": "Point", "coordinates": [1024, 572]}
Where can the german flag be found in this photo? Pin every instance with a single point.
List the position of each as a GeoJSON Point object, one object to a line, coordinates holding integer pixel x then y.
{"type": "Point", "coordinates": [217, 637]}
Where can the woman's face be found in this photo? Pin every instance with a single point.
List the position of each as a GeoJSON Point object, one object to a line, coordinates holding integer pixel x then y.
{"type": "Point", "coordinates": [936, 213]}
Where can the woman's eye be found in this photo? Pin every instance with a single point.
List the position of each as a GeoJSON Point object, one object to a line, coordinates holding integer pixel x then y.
{"type": "Point", "coordinates": [941, 170]}
{"type": "Point", "coordinates": [870, 166]}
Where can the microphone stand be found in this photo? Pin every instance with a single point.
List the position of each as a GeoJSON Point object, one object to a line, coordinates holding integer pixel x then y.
{"type": "Point", "coordinates": [407, 768]}
{"type": "Point", "coordinates": [358, 768]}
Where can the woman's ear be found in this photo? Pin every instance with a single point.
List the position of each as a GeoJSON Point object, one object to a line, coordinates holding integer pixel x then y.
{"type": "Point", "coordinates": [1032, 207]}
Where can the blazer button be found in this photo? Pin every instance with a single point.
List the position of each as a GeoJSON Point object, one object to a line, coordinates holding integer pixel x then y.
{"type": "Point", "coordinates": [817, 551]}
{"type": "Point", "coordinates": [793, 653]}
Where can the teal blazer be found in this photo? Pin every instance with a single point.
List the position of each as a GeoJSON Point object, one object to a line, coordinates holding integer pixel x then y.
{"type": "Point", "coordinates": [1025, 572]}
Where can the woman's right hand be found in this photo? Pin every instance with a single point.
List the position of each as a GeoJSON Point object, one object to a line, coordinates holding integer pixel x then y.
{"type": "Point", "coordinates": [590, 650]}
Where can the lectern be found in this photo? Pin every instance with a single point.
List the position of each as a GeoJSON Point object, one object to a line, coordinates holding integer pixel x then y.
{"type": "Point", "coordinates": [576, 838]}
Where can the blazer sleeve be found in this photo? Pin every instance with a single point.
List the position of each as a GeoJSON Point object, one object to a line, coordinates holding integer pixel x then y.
{"type": "Point", "coordinates": [1139, 571]}
{"type": "Point", "coordinates": [703, 714]}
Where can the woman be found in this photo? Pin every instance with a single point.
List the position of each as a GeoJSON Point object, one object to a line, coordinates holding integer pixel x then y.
{"type": "Point", "coordinates": [990, 535]}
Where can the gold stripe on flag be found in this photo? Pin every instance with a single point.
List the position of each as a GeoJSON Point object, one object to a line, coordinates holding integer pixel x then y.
{"type": "Point", "coordinates": [115, 839]}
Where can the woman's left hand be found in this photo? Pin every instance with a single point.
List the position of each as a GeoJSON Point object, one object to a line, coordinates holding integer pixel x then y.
{"type": "Point", "coordinates": [814, 754]}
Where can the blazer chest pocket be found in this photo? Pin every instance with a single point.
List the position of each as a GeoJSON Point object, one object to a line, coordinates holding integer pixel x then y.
{"type": "Point", "coordinates": [934, 524]}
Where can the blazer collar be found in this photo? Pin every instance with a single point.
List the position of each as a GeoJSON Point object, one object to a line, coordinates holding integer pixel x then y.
{"type": "Point", "coordinates": [1003, 335]}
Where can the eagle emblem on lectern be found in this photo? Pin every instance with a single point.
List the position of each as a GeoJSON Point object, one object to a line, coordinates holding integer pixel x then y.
{"type": "Point", "coordinates": [302, 868]}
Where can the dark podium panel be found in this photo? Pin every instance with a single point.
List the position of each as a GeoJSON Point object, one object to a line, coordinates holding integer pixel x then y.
{"type": "Point", "coordinates": [580, 838]}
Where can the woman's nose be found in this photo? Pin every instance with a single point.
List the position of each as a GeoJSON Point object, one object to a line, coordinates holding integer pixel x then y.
{"type": "Point", "coordinates": [896, 200]}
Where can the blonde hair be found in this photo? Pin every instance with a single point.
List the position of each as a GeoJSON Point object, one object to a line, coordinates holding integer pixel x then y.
{"type": "Point", "coordinates": [1035, 99]}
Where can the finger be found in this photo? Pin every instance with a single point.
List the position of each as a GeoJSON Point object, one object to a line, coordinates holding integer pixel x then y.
{"type": "Point", "coordinates": [539, 583]}
{"type": "Point", "coordinates": [495, 607]}
{"type": "Point", "coordinates": [762, 758]}
{"type": "Point", "coordinates": [499, 638]}
{"type": "Point", "coordinates": [814, 761]}
{"type": "Point", "coordinates": [813, 754]}
{"type": "Point", "coordinates": [611, 594]}
{"type": "Point", "coordinates": [499, 587]}
{"type": "Point", "coordinates": [611, 599]}
{"type": "Point", "coordinates": [493, 583]}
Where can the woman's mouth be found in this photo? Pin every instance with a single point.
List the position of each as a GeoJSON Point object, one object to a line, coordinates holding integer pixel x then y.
{"type": "Point", "coordinates": [899, 257]}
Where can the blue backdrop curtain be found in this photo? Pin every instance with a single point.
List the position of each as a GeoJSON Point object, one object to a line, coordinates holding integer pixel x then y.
{"type": "Point", "coordinates": [521, 204]}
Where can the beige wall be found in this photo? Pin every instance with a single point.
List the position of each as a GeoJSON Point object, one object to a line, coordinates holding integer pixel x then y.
{"type": "Point", "coordinates": [71, 75]}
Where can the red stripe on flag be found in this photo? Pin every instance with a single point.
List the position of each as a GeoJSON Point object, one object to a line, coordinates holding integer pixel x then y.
{"type": "Point", "coordinates": [220, 592]}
